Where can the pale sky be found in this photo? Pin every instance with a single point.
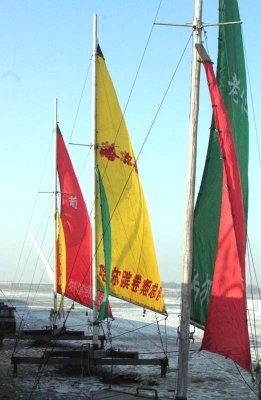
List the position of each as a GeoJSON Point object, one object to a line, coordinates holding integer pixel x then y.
{"type": "Point", "coordinates": [45, 53]}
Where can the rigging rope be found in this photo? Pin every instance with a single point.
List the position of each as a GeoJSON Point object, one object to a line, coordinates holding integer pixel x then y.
{"type": "Point", "coordinates": [229, 371]}
{"type": "Point", "coordinates": [31, 216]}
{"type": "Point", "coordinates": [206, 40]}
{"type": "Point", "coordinates": [252, 260]}
{"type": "Point", "coordinates": [243, 378]}
{"type": "Point", "coordinates": [81, 97]}
{"type": "Point", "coordinates": [160, 336]}
{"type": "Point", "coordinates": [32, 278]}
{"type": "Point", "coordinates": [139, 329]}
{"type": "Point", "coordinates": [254, 335]}
{"type": "Point", "coordinates": [25, 314]}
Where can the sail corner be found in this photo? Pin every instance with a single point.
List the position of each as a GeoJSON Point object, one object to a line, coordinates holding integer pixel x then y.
{"type": "Point", "coordinates": [99, 52]}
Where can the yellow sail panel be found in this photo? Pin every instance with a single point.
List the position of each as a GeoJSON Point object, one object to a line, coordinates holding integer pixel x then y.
{"type": "Point", "coordinates": [62, 258]}
{"type": "Point", "coordinates": [134, 274]}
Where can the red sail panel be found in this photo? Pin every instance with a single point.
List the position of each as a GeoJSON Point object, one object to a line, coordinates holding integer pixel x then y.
{"type": "Point", "coordinates": [77, 232]}
{"type": "Point", "coordinates": [226, 331]}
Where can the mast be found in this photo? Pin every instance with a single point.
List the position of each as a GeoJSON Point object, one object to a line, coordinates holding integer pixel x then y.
{"type": "Point", "coordinates": [55, 216]}
{"type": "Point", "coordinates": [94, 185]}
{"type": "Point", "coordinates": [181, 392]}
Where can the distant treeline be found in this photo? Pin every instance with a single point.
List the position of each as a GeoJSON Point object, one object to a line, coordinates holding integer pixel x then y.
{"type": "Point", "coordinates": [253, 289]}
{"type": "Point", "coordinates": [171, 285]}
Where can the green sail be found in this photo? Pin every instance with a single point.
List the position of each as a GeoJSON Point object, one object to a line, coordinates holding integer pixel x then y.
{"type": "Point", "coordinates": [231, 78]}
{"type": "Point", "coordinates": [106, 229]}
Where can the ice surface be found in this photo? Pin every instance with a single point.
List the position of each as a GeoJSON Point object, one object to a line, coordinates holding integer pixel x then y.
{"type": "Point", "coordinates": [210, 376]}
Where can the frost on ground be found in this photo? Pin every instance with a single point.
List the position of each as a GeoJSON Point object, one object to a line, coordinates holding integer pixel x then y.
{"type": "Point", "coordinates": [210, 376]}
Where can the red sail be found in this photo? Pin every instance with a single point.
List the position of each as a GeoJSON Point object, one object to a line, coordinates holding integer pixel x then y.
{"type": "Point", "coordinates": [226, 331]}
{"type": "Point", "coordinates": [77, 232]}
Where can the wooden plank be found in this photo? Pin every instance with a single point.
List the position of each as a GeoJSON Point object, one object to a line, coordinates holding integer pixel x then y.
{"type": "Point", "coordinates": [47, 335]}
{"type": "Point", "coordinates": [107, 394]}
{"type": "Point", "coordinates": [80, 362]}
{"type": "Point", "coordinates": [84, 362]}
{"type": "Point", "coordinates": [126, 361]}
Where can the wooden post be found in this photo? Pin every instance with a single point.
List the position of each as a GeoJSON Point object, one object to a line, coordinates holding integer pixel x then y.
{"type": "Point", "coordinates": [54, 313]}
{"type": "Point", "coordinates": [94, 185]}
{"type": "Point", "coordinates": [182, 382]}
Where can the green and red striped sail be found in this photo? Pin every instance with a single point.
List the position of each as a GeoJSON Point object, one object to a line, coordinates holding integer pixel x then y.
{"type": "Point", "coordinates": [226, 330]}
{"type": "Point", "coordinates": [214, 206]}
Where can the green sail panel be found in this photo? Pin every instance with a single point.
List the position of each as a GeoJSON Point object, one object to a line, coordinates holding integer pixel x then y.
{"type": "Point", "coordinates": [106, 233]}
{"type": "Point", "coordinates": [231, 77]}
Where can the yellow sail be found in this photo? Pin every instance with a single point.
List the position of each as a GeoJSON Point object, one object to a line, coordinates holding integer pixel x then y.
{"type": "Point", "coordinates": [62, 258]}
{"type": "Point", "coordinates": [134, 274]}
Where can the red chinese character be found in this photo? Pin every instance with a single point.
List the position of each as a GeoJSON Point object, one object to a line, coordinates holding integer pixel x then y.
{"type": "Point", "coordinates": [125, 279]}
{"type": "Point", "coordinates": [145, 287]}
{"type": "Point", "coordinates": [135, 166]}
{"type": "Point", "coordinates": [108, 150]}
{"type": "Point", "coordinates": [115, 275]}
{"type": "Point", "coordinates": [153, 291]}
{"type": "Point", "coordinates": [136, 283]}
{"type": "Point", "coordinates": [102, 272]}
{"type": "Point", "coordinates": [126, 158]}
{"type": "Point", "coordinates": [159, 295]}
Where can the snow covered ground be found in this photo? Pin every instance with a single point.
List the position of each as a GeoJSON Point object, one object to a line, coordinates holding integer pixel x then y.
{"type": "Point", "coordinates": [210, 376]}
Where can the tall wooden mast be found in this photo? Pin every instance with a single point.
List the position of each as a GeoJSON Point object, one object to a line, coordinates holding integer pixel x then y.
{"type": "Point", "coordinates": [181, 392]}
{"type": "Point", "coordinates": [94, 183]}
{"type": "Point", "coordinates": [54, 314]}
